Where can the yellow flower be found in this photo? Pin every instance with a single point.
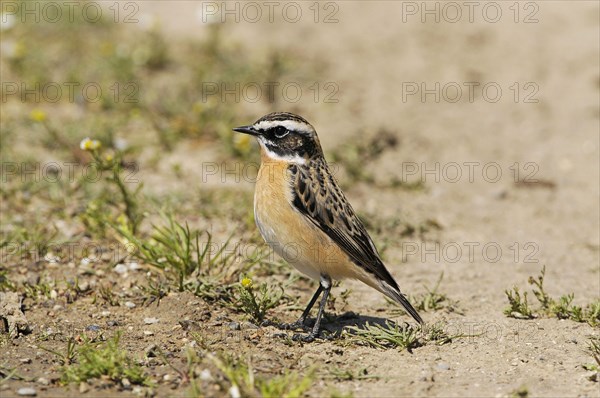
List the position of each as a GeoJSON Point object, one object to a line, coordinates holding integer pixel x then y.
{"type": "Point", "coordinates": [38, 115]}
{"type": "Point", "coordinates": [89, 145]}
{"type": "Point", "coordinates": [108, 157]}
{"type": "Point", "coordinates": [247, 283]}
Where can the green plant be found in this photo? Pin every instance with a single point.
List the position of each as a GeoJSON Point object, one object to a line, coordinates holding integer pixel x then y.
{"type": "Point", "coordinates": [240, 377]}
{"type": "Point", "coordinates": [563, 308]}
{"type": "Point", "coordinates": [104, 360]}
{"type": "Point", "coordinates": [112, 165]}
{"type": "Point", "coordinates": [518, 307]}
{"type": "Point", "coordinates": [432, 300]}
{"type": "Point", "coordinates": [256, 302]}
{"type": "Point", "coordinates": [66, 358]}
{"type": "Point", "coordinates": [390, 336]}
{"type": "Point", "coordinates": [594, 351]}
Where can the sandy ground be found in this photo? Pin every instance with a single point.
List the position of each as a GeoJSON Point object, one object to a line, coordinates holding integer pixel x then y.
{"type": "Point", "coordinates": [470, 153]}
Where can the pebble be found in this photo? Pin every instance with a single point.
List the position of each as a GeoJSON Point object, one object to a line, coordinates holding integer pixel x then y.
{"type": "Point", "coordinates": [249, 325]}
{"type": "Point", "coordinates": [443, 366]}
{"type": "Point", "coordinates": [150, 321]}
{"type": "Point", "coordinates": [150, 351]}
{"type": "Point", "coordinates": [126, 383]}
{"type": "Point", "coordinates": [129, 304]}
{"type": "Point", "coordinates": [25, 360]}
{"type": "Point", "coordinates": [84, 387]}
{"type": "Point", "coordinates": [43, 381]}
{"type": "Point", "coordinates": [234, 325]}
{"type": "Point", "coordinates": [93, 328]}
{"type": "Point", "coordinates": [148, 333]}
{"type": "Point", "coordinates": [121, 269]}
{"type": "Point", "coordinates": [27, 392]}
{"type": "Point", "coordinates": [205, 375]}
{"type": "Point", "coordinates": [105, 314]}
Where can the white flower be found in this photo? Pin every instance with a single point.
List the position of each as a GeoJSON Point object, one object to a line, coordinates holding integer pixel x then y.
{"type": "Point", "coordinates": [88, 144]}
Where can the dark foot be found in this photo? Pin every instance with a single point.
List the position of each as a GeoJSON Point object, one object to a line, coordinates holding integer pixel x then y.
{"type": "Point", "coordinates": [305, 338]}
{"type": "Point", "coordinates": [299, 324]}
{"type": "Point", "coordinates": [310, 337]}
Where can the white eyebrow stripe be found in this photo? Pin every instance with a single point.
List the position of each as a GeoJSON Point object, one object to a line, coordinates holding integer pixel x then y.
{"type": "Point", "coordinates": [288, 124]}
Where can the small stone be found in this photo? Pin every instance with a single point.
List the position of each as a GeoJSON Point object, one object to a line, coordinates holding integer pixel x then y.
{"type": "Point", "coordinates": [129, 304]}
{"type": "Point", "coordinates": [150, 321]}
{"type": "Point", "coordinates": [126, 383]}
{"type": "Point", "coordinates": [205, 375]}
{"type": "Point", "coordinates": [234, 326]}
{"type": "Point", "coordinates": [443, 366]}
{"type": "Point", "coordinates": [121, 269]}
{"type": "Point", "coordinates": [148, 333]}
{"type": "Point", "coordinates": [112, 323]}
{"type": "Point", "coordinates": [93, 328]}
{"type": "Point", "coordinates": [27, 392]}
{"type": "Point", "coordinates": [248, 325]}
{"type": "Point", "coordinates": [105, 314]}
{"type": "Point", "coordinates": [151, 350]}
{"type": "Point", "coordinates": [25, 360]}
{"type": "Point", "coordinates": [43, 381]}
{"type": "Point", "coordinates": [133, 266]}
{"type": "Point", "coordinates": [57, 307]}
{"type": "Point", "coordinates": [84, 387]}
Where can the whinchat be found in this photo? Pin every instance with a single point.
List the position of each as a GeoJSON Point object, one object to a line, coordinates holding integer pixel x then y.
{"type": "Point", "coordinates": [304, 216]}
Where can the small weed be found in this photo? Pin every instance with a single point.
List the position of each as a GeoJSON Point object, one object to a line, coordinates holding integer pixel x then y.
{"type": "Point", "coordinates": [519, 307]}
{"type": "Point", "coordinates": [594, 351]}
{"type": "Point", "coordinates": [176, 249]}
{"type": "Point", "coordinates": [241, 380]}
{"type": "Point", "coordinates": [5, 283]}
{"type": "Point", "coordinates": [562, 308]}
{"type": "Point", "coordinates": [432, 300]}
{"type": "Point", "coordinates": [112, 165]}
{"type": "Point", "coordinates": [256, 302]}
{"type": "Point", "coordinates": [107, 294]}
{"type": "Point", "coordinates": [68, 356]}
{"type": "Point", "coordinates": [390, 336]}
{"type": "Point", "coordinates": [104, 360]}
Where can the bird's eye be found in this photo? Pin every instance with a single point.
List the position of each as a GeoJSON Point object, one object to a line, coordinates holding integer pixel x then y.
{"type": "Point", "coordinates": [280, 132]}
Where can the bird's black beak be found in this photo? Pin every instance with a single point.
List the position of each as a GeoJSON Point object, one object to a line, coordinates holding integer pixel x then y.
{"type": "Point", "coordinates": [246, 130]}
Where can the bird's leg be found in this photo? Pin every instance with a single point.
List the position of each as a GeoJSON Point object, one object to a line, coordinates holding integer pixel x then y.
{"type": "Point", "coordinates": [300, 322]}
{"type": "Point", "coordinates": [326, 286]}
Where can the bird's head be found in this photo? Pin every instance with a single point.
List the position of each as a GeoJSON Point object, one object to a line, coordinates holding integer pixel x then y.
{"type": "Point", "coordinates": [285, 136]}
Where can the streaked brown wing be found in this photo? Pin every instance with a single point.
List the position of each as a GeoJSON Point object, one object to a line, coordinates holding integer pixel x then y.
{"type": "Point", "coordinates": [318, 196]}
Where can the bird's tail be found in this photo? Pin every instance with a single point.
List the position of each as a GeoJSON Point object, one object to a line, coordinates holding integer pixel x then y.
{"type": "Point", "coordinates": [397, 296]}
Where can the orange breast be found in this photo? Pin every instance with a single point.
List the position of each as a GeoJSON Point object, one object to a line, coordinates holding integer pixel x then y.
{"type": "Point", "coordinates": [291, 234]}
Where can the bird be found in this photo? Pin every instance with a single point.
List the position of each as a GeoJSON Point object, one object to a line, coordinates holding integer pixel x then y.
{"type": "Point", "coordinates": [304, 216]}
